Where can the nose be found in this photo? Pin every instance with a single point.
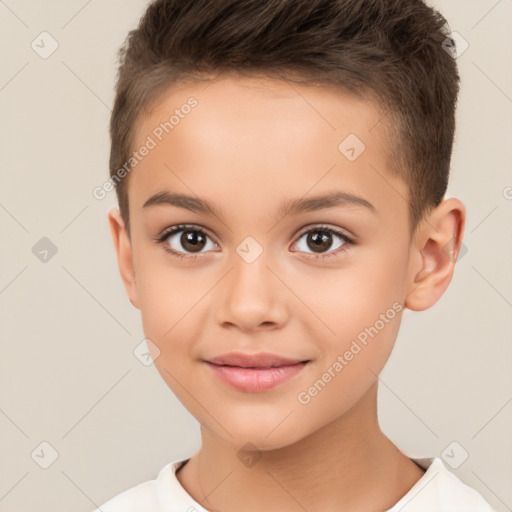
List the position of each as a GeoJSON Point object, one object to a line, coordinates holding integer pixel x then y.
{"type": "Point", "coordinates": [251, 297]}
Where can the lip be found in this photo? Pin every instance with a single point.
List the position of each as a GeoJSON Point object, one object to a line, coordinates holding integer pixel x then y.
{"type": "Point", "coordinates": [255, 373]}
{"type": "Point", "coordinates": [260, 360]}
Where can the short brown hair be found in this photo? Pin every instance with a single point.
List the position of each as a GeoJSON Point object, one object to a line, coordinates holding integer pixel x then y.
{"type": "Point", "coordinates": [389, 50]}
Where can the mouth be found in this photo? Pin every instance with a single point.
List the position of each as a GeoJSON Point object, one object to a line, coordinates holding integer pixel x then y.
{"type": "Point", "coordinates": [255, 373]}
{"type": "Point", "coordinates": [262, 360]}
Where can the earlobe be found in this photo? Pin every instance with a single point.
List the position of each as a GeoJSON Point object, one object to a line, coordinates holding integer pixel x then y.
{"type": "Point", "coordinates": [123, 248]}
{"type": "Point", "coordinates": [435, 250]}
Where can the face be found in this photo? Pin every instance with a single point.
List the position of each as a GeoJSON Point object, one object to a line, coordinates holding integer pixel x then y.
{"type": "Point", "coordinates": [303, 252]}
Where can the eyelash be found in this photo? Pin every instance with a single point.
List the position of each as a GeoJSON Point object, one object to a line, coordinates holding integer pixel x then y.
{"type": "Point", "coordinates": [161, 239]}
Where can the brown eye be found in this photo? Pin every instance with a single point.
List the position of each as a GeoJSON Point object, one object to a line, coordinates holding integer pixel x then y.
{"type": "Point", "coordinates": [319, 241]}
{"type": "Point", "coordinates": [322, 240]}
{"type": "Point", "coordinates": [184, 241]}
{"type": "Point", "coordinates": [192, 241]}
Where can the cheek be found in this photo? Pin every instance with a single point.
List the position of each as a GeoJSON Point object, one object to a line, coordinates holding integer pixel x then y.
{"type": "Point", "coordinates": [351, 359]}
{"type": "Point", "coordinates": [167, 296]}
{"type": "Point", "coordinates": [354, 313]}
{"type": "Point", "coordinates": [172, 304]}
{"type": "Point", "coordinates": [346, 301]}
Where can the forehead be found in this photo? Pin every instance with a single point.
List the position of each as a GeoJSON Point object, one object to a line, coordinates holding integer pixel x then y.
{"type": "Point", "coordinates": [245, 137]}
{"type": "Point", "coordinates": [253, 103]}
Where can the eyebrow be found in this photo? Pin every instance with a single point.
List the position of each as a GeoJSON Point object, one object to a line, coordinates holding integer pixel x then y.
{"type": "Point", "coordinates": [291, 207]}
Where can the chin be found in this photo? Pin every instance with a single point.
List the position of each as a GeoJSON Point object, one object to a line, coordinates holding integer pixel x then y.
{"type": "Point", "coordinates": [258, 437]}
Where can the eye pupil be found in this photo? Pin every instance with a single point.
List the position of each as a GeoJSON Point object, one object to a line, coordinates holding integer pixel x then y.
{"type": "Point", "coordinates": [322, 242]}
{"type": "Point", "coordinates": [192, 241]}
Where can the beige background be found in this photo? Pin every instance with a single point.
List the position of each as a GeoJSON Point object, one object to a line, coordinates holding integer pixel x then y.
{"type": "Point", "coordinates": [68, 373]}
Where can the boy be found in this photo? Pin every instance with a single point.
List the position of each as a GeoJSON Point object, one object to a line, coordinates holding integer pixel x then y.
{"type": "Point", "coordinates": [307, 146]}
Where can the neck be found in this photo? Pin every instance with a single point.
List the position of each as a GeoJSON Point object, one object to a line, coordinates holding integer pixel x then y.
{"type": "Point", "coordinates": [349, 464]}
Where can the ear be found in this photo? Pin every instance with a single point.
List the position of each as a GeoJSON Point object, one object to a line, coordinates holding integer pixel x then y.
{"type": "Point", "coordinates": [434, 252]}
{"type": "Point", "coordinates": [123, 247]}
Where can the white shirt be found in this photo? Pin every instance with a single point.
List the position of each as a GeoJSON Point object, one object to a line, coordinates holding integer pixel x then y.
{"type": "Point", "coordinates": [437, 490]}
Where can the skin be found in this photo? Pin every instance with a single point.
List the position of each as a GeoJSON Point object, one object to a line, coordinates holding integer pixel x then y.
{"type": "Point", "coordinates": [249, 144]}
